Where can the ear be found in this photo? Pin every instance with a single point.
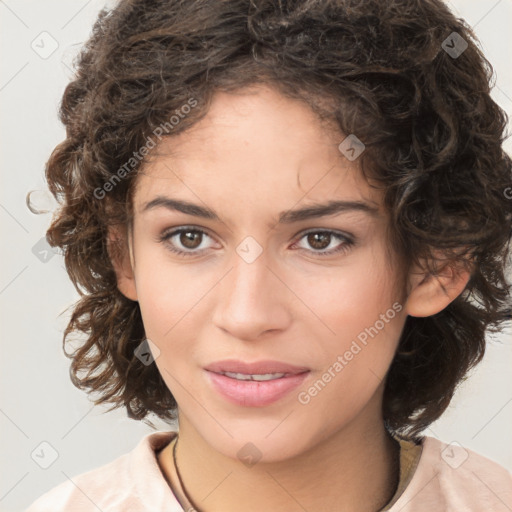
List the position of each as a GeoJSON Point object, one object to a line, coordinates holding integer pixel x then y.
{"type": "Point", "coordinates": [120, 250]}
{"type": "Point", "coordinates": [429, 294]}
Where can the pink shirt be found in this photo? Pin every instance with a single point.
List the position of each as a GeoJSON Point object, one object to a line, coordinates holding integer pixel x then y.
{"type": "Point", "coordinates": [448, 478]}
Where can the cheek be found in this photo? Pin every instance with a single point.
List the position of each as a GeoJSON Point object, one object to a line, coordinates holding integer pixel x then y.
{"type": "Point", "coordinates": [351, 296]}
{"type": "Point", "coordinates": [169, 294]}
{"type": "Point", "coordinates": [358, 315]}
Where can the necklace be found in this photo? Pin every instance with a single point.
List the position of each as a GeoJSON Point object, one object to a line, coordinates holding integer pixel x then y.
{"type": "Point", "coordinates": [195, 508]}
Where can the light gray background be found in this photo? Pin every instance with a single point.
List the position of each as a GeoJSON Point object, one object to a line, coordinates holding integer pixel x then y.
{"type": "Point", "coordinates": [38, 402]}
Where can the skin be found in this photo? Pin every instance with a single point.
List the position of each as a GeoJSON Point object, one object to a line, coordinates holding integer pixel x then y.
{"type": "Point", "coordinates": [254, 155]}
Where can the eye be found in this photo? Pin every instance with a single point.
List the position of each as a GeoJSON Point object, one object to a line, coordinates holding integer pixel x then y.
{"type": "Point", "coordinates": [189, 238]}
{"type": "Point", "coordinates": [320, 240]}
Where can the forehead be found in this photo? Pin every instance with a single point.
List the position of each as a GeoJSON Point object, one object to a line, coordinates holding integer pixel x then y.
{"type": "Point", "coordinates": [254, 149]}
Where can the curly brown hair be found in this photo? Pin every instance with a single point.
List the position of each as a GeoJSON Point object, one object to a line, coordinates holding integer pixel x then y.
{"type": "Point", "coordinates": [382, 70]}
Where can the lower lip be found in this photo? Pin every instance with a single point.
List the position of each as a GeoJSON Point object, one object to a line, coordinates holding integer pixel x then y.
{"type": "Point", "coordinates": [251, 393]}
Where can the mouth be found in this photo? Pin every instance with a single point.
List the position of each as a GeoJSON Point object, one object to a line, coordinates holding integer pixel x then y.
{"type": "Point", "coordinates": [251, 387]}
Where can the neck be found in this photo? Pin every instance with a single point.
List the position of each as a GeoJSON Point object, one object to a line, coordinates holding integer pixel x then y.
{"type": "Point", "coordinates": [355, 469]}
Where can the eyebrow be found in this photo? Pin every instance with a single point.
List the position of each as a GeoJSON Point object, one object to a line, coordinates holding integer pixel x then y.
{"type": "Point", "coordinates": [285, 217]}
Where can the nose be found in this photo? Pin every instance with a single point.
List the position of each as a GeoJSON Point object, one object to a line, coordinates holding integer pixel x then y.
{"type": "Point", "coordinates": [252, 300]}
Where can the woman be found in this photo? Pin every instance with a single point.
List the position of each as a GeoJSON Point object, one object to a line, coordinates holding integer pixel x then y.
{"type": "Point", "coordinates": [289, 225]}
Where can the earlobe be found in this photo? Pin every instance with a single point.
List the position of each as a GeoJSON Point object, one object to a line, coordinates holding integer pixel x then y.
{"type": "Point", "coordinates": [429, 294]}
{"type": "Point", "coordinates": [120, 253]}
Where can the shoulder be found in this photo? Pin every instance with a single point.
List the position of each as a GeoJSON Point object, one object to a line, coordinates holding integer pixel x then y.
{"type": "Point", "coordinates": [130, 482]}
{"type": "Point", "coordinates": [453, 478]}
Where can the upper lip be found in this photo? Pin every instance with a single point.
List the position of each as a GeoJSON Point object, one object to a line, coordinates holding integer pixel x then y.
{"type": "Point", "coordinates": [257, 367]}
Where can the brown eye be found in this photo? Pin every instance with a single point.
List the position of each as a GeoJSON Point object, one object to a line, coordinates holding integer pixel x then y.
{"type": "Point", "coordinates": [185, 241]}
{"type": "Point", "coordinates": [319, 240]}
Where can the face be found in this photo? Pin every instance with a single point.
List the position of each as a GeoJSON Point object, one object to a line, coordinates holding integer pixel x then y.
{"type": "Point", "coordinates": [243, 276]}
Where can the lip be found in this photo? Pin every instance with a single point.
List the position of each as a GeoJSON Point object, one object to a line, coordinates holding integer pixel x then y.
{"type": "Point", "coordinates": [257, 367]}
{"type": "Point", "coordinates": [250, 393]}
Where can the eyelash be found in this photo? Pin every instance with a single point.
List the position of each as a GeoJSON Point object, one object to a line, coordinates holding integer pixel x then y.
{"type": "Point", "coordinates": [348, 241]}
